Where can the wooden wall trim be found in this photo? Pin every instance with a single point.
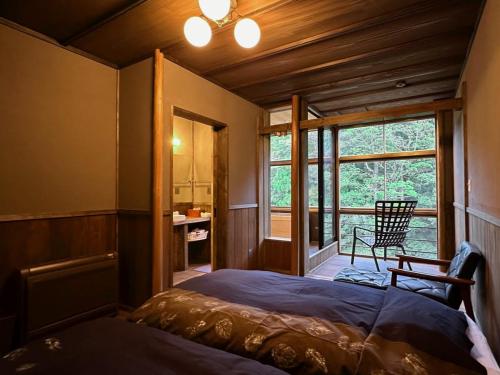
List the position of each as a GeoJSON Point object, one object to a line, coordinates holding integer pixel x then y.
{"type": "Point", "coordinates": [295, 188]}
{"type": "Point", "coordinates": [55, 215]}
{"type": "Point", "coordinates": [157, 175]}
{"type": "Point", "coordinates": [242, 206]}
{"type": "Point", "coordinates": [460, 206]}
{"type": "Point", "coordinates": [125, 211]}
{"type": "Point", "coordinates": [412, 109]}
{"type": "Point", "coordinates": [484, 216]}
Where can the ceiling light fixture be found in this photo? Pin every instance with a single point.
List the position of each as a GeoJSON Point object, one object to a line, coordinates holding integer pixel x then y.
{"type": "Point", "coordinates": [199, 33]}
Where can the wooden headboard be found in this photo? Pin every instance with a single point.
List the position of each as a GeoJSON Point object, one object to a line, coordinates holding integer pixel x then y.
{"type": "Point", "coordinates": [57, 295]}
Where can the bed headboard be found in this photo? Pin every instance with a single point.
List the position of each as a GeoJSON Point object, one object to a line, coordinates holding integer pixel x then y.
{"type": "Point", "coordinates": [57, 295]}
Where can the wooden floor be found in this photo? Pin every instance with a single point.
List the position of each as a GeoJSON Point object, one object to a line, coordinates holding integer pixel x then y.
{"type": "Point", "coordinates": [181, 276]}
{"type": "Point", "coordinates": [332, 266]}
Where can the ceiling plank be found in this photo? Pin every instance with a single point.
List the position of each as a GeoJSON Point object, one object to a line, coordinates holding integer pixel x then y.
{"type": "Point", "coordinates": [386, 37]}
{"type": "Point", "coordinates": [335, 32]}
{"type": "Point", "coordinates": [100, 23]}
{"type": "Point", "coordinates": [437, 84]}
{"type": "Point", "coordinates": [411, 73]}
{"type": "Point", "coordinates": [447, 40]}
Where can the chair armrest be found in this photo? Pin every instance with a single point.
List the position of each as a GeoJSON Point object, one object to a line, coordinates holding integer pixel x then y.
{"type": "Point", "coordinates": [427, 276]}
{"type": "Point", "coordinates": [368, 230]}
{"type": "Point", "coordinates": [409, 258]}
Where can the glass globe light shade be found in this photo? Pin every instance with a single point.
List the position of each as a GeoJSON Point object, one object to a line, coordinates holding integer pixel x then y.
{"type": "Point", "coordinates": [247, 33]}
{"type": "Point", "coordinates": [215, 9]}
{"type": "Point", "coordinates": [197, 31]}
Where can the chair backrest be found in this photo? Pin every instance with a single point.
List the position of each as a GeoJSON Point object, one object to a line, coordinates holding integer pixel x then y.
{"type": "Point", "coordinates": [463, 265]}
{"type": "Point", "coordinates": [392, 219]}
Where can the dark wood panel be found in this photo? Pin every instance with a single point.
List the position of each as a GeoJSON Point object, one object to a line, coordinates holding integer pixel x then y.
{"type": "Point", "coordinates": [486, 292]}
{"type": "Point", "coordinates": [351, 47]}
{"type": "Point", "coordinates": [242, 250]}
{"type": "Point", "coordinates": [134, 244]}
{"type": "Point", "coordinates": [59, 19]}
{"type": "Point", "coordinates": [293, 21]}
{"type": "Point", "coordinates": [423, 51]}
{"type": "Point", "coordinates": [277, 255]}
{"type": "Point", "coordinates": [27, 243]}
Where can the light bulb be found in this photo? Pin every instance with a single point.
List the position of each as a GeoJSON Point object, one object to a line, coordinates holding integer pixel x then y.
{"type": "Point", "coordinates": [197, 31]}
{"type": "Point", "coordinates": [176, 141]}
{"type": "Point", "coordinates": [247, 33]}
{"type": "Point", "coordinates": [215, 9]}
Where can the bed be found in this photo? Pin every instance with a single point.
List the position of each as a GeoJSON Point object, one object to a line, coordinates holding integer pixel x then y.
{"type": "Point", "coordinates": [114, 346]}
{"type": "Point", "coordinates": [306, 326]}
{"type": "Point", "coordinates": [247, 322]}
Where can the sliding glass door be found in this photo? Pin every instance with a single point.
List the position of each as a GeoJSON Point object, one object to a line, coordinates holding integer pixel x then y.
{"type": "Point", "coordinates": [326, 187]}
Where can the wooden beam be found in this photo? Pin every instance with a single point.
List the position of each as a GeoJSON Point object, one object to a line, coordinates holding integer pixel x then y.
{"type": "Point", "coordinates": [381, 114]}
{"type": "Point", "coordinates": [365, 106]}
{"type": "Point", "coordinates": [295, 190]}
{"type": "Point", "coordinates": [157, 175]}
{"type": "Point", "coordinates": [421, 7]}
{"type": "Point", "coordinates": [100, 23]}
{"type": "Point", "coordinates": [388, 156]}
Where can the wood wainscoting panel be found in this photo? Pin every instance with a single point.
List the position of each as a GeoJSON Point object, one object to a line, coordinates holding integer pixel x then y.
{"type": "Point", "coordinates": [486, 293]}
{"type": "Point", "coordinates": [242, 239]}
{"type": "Point", "coordinates": [136, 259]}
{"type": "Point", "coordinates": [26, 243]}
{"type": "Point", "coordinates": [134, 244]}
{"type": "Point", "coordinates": [277, 255]}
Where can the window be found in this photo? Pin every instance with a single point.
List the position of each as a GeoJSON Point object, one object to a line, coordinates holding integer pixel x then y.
{"type": "Point", "coordinates": [390, 161]}
{"type": "Point", "coordinates": [320, 186]}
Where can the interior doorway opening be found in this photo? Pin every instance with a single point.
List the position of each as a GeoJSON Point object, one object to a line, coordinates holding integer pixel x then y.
{"type": "Point", "coordinates": [199, 194]}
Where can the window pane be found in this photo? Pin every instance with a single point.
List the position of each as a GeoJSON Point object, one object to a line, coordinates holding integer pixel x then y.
{"type": "Point", "coordinates": [282, 116]}
{"type": "Point", "coordinates": [361, 184]}
{"type": "Point", "coordinates": [281, 147]}
{"type": "Point", "coordinates": [281, 184]}
{"type": "Point", "coordinates": [412, 179]}
{"type": "Point", "coordinates": [410, 136]}
{"type": "Point", "coordinates": [361, 141]}
{"type": "Point", "coordinates": [421, 240]}
{"type": "Point", "coordinates": [312, 144]}
{"type": "Point", "coordinates": [328, 187]}
{"type": "Point", "coordinates": [313, 185]}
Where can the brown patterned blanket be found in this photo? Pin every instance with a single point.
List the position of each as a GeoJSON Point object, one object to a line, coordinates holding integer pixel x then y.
{"type": "Point", "coordinates": [306, 326]}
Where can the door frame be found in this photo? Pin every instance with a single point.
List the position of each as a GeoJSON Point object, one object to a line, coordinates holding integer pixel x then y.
{"type": "Point", "coordinates": [220, 185]}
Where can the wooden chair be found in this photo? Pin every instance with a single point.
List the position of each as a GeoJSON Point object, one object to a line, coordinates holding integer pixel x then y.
{"type": "Point", "coordinates": [392, 219]}
{"type": "Point", "coordinates": [451, 289]}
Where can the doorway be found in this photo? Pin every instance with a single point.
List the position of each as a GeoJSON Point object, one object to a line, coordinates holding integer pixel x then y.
{"type": "Point", "coordinates": [198, 169]}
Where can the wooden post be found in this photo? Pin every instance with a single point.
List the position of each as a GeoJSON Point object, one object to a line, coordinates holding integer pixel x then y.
{"type": "Point", "coordinates": [295, 192]}
{"type": "Point", "coordinates": [445, 198]}
{"type": "Point", "coordinates": [157, 175]}
{"type": "Point", "coordinates": [303, 196]}
{"type": "Point", "coordinates": [465, 141]}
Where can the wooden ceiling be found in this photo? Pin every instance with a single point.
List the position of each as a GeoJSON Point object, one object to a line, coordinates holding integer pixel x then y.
{"type": "Point", "coordinates": [343, 56]}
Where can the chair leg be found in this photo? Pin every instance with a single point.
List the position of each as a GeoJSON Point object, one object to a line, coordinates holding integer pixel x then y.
{"type": "Point", "coordinates": [404, 252]}
{"type": "Point", "coordinates": [465, 291]}
{"type": "Point", "coordinates": [353, 249]}
{"type": "Point", "coordinates": [385, 253]}
{"type": "Point", "coordinates": [375, 258]}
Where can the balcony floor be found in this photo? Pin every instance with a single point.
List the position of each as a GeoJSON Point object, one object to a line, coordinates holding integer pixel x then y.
{"type": "Point", "coordinates": [328, 269]}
